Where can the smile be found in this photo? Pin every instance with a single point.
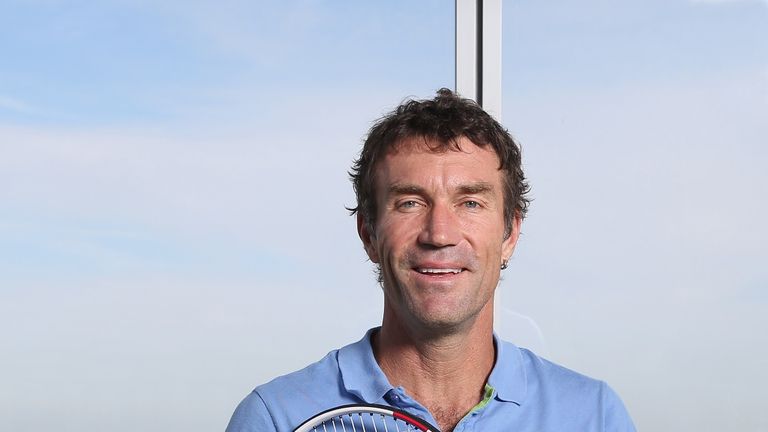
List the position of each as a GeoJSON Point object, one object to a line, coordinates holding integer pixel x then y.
{"type": "Point", "coordinates": [439, 271]}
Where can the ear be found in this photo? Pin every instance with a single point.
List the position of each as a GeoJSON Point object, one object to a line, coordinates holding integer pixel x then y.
{"type": "Point", "coordinates": [509, 243]}
{"type": "Point", "coordinates": [368, 238]}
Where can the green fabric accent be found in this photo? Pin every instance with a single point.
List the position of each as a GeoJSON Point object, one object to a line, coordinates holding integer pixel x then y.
{"type": "Point", "coordinates": [486, 398]}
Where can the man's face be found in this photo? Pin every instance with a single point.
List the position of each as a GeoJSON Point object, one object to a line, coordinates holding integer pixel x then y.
{"type": "Point", "coordinates": [439, 233]}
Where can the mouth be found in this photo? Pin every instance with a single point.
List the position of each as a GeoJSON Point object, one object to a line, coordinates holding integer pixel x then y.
{"type": "Point", "coordinates": [439, 273]}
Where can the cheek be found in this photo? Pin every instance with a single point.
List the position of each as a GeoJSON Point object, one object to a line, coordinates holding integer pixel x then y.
{"type": "Point", "coordinates": [397, 231]}
{"type": "Point", "coordinates": [394, 245]}
{"type": "Point", "coordinates": [486, 231]}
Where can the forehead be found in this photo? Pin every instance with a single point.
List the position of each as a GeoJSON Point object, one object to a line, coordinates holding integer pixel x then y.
{"type": "Point", "coordinates": [430, 163]}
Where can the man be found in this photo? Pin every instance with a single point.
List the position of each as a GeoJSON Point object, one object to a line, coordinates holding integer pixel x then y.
{"type": "Point", "coordinates": [440, 200]}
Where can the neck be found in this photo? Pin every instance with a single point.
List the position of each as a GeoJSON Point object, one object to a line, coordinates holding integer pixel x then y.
{"type": "Point", "coordinates": [446, 371]}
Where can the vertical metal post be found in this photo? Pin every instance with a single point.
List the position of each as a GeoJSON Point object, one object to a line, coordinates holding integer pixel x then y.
{"type": "Point", "coordinates": [467, 68]}
{"type": "Point", "coordinates": [478, 53]}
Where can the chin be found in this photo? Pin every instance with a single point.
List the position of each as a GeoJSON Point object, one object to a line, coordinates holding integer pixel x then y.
{"type": "Point", "coordinates": [444, 322]}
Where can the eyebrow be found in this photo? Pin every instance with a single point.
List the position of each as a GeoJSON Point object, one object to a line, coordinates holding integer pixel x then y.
{"type": "Point", "coordinates": [479, 188]}
{"type": "Point", "coordinates": [406, 189]}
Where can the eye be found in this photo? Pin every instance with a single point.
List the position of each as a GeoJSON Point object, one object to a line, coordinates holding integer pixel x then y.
{"type": "Point", "coordinates": [471, 204]}
{"type": "Point", "coordinates": [408, 204]}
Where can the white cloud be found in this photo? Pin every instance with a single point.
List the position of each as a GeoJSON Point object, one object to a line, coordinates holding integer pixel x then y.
{"type": "Point", "coordinates": [15, 105]}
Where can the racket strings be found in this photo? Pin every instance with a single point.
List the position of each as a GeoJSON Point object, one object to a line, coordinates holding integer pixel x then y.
{"type": "Point", "coordinates": [358, 421]}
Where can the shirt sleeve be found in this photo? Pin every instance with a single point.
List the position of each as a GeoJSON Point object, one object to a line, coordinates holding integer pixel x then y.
{"type": "Point", "coordinates": [251, 415]}
{"type": "Point", "coordinates": [615, 415]}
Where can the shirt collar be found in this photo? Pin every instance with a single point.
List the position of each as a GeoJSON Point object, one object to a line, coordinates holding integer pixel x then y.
{"type": "Point", "coordinates": [508, 374]}
{"type": "Point", "coordinates": [360, 372]}
{"type": "Point", "coordinates": [363, 377]}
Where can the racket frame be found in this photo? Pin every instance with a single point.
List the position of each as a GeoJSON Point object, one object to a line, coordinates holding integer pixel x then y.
{"type": "Point", "coordinates": [316, 421]}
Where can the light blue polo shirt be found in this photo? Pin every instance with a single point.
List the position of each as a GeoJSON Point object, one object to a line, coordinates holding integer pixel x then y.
{"type": "Point", "coordinates": [524, 393]}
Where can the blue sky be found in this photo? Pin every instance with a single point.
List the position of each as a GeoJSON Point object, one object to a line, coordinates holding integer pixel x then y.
{"type": "Point", "coordinates": [137, 61]}
{"type": "Point", "coordinates": [173, 180]}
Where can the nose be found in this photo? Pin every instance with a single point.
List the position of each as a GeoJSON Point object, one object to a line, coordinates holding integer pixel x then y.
{"type": "Point", "coordinates": [441, 227]}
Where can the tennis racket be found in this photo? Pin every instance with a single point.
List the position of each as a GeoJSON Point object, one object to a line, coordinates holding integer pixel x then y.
{"type": "Point", "coordinates": [365, 418]}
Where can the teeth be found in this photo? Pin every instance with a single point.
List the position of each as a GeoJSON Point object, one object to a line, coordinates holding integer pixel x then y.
{"type": "Point", "coordinates": [439, 271]}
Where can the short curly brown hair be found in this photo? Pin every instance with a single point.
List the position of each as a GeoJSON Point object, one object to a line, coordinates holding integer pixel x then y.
{"type": "Point", "coordinates": [442, 121]}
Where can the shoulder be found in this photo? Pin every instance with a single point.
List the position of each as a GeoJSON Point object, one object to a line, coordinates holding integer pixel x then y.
{"type": "Point", "coordinates": [286, 401]}
{"type": "Point", "coordinates": [552, 388]}
{"type": "Point", "coordinates": [520, 375]}
{"type": "Point", "coordinates": [543, 375]}
{"type": "Point", "coordinates": [251, 415]}
{"type": "Point", "coordinates": [323, 373]}
{"type": "Point", "coordinates": [281, 403]}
